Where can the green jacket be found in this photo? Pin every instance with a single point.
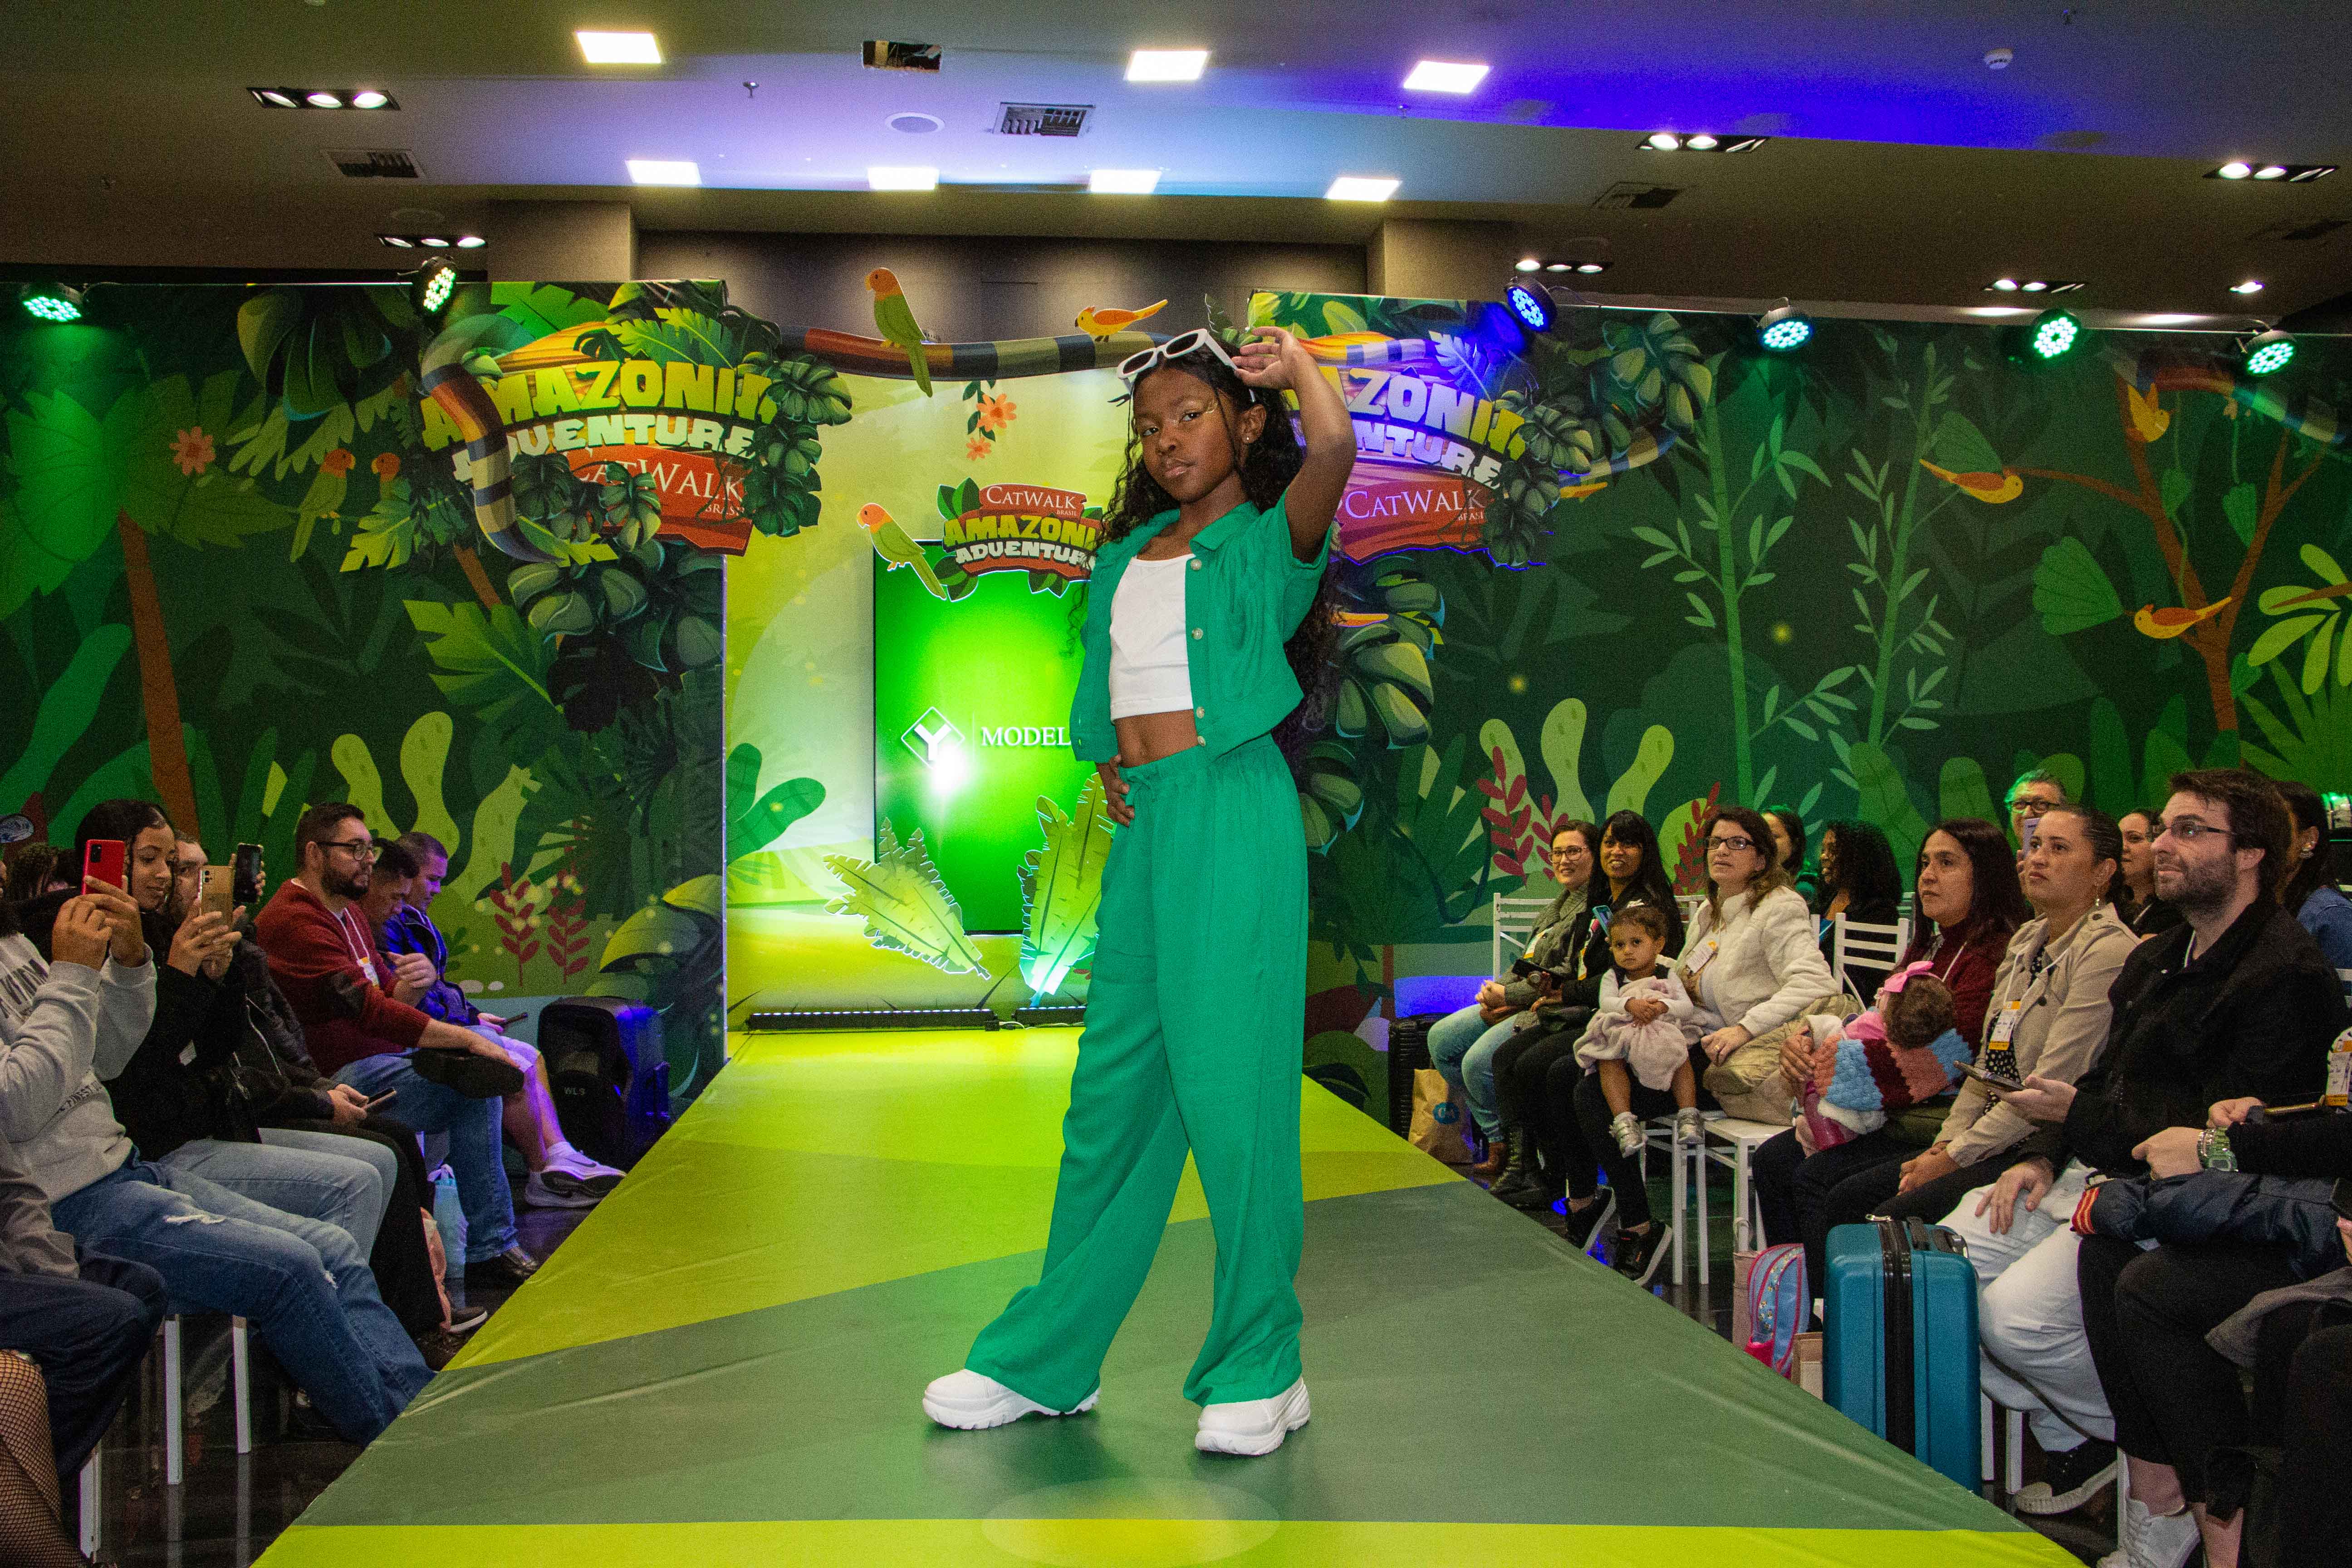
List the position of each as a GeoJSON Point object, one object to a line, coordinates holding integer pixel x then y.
{"type": "Point", "coordinates": [1244, 596]}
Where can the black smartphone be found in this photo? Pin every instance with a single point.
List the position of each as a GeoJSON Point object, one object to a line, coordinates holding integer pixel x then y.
{"type": "Point", "coordinates": [2342, 1197]}
{"type": "Point", "coordinates": [1991, 1079]}
{"type": "Point", "coordinates": [1522, 968]}
{"type": "Point", "coordinates": [386, 1098]}
{"type": "Point", "coordinates": [245, 880]}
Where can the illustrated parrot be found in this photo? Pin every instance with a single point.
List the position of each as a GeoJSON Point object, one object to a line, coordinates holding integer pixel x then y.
{"type": "Point", "coordinates": [897, 323]}
{"type": "Point", "coordinates": [2170, 622]}
{"type": "Point", "coordinates": [2147, 418]}
{"type": "Point", "coordinates": [1099, 321]}
{"type": "Point", "coordinates": [1990, 489]}
{"type": "Point", "coordinates": [892, 543]}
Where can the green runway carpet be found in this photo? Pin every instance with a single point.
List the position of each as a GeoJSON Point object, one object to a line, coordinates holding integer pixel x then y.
{"type": "Point", "coordinates": [722, 1367]}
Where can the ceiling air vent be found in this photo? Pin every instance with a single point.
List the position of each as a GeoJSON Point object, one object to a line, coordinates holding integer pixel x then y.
{"type": "Point", "coordinates": [375, 163]}
{"type": "Point", "coordinates": [1634, 193]}
{"type": "Point", "coordinates": [2294, 230]}
{"type": "Point", "coordinates": [1043, 119]}
{"type": "Point", "coordinates": [881, 54]}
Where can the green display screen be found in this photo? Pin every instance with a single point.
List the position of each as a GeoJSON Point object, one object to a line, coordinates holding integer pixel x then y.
{"type": "Point", "coordinates": [971, 714]}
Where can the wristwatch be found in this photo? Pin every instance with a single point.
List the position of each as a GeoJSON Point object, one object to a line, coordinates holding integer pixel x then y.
{"type": "Point", "coordinates": [2213, 1150]}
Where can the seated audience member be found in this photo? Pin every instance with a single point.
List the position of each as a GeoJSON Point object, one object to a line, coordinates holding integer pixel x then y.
{"type": "Point", "coordinates": [174, 1098]}
{"type": "Point", "coordinates": [1969, 903]}
{"type": "Point", "coordinates": [1537, 1071]}
{"type": "Point", "coordinates": [1642, 1030]}
{"type": "Point", "coordinates": [290, 1105]}
{"type": "Point", "coordinates": [2238, 1001]}
{"type": "Point", "coordinates": [2145, 912]}
{"type": "Point", "coordinates": [2170, 1326]}
{"type": "Point", "coordinates": [561, 1175]}
{"type": "Point", "coordinates": [1752, 963]}
{"type": "Point", "coordinates": [360, 1028]}
{"type": "Point", "coordinates": [2049, 1015]}
{"type": "Point", "coordinates": [81, 1013]}
{"type": "Point", "coordinates": [2310, 894]}
{"type": "Point", "coordinates": [2302, 1357]}
{"type": "Point", "coordinates": [1859, 882]}
{"type": "Point", "coordinates": [2032, 794]}
{"type": "Point", "coordinates": [1461, 1045]}
{"type": "Point", "coordinates": [27, 869]}
{"type": "Point", "coordinates": [1790, 846]}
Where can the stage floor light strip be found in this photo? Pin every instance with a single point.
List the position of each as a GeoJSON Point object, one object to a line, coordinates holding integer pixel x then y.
{"type": "Point", "coordinates": [722, 1365]}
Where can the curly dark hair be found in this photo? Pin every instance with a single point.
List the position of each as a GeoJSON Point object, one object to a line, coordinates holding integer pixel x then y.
{"type": "Point", "coordinates": [1266, 466]}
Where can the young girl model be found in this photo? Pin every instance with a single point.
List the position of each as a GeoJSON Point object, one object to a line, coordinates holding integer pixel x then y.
{"type": "Point", "coordinates": [1640, 1025]}
{"type": "Point", "coordinates": [1213, 557]}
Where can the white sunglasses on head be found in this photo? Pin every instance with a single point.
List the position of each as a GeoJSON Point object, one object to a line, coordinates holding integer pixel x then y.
{"type": "Point", "coordinates": [1137, 366]}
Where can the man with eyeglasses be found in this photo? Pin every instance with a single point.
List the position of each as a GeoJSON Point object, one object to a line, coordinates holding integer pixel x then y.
{"type": "Point", "coordinates": [2032, 794]}
{"type": "Point", "coordinates": [327, 961]}
{"type": "Point", "coordinates": [2237, 1000]}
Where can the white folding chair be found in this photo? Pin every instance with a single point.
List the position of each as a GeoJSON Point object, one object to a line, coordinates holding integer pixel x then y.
{"type": "Point", "coordinates": [1515, 924]}
{"type": "Point", "coordinates": [91, 1482]}
{"type": "Point", "coordinates": [1689, 1191]}
{"type": "Point", "coordinates": [1745, 1136]}
{"type": "Point", "coordinates": [1865, 945]}
{"type": "Point", "coordinates": [2344, 978]}
{"type": "Point", "coordinates": [240, 1387]}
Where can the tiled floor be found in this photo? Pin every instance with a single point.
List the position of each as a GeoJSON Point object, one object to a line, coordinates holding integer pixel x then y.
{"type": "Point", "coordinates": [230, 1507]}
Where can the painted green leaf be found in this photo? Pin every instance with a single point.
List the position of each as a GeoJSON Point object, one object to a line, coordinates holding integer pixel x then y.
{"type": "Point", "coordinates": [68, 467]}
{"type": "Point", "coordinates": [541, 309]}
{"type": "Point", "coordinates": [1651, 759]}
{"type": "Point", "coordinates": [1961, 791]}
{"type": "Point", "coordinates": [494, 666]}
{"type": "Point", "coordinates": [2173, 489]}
{"type": "Point", "coordinates": [2070, 593]}
{"type": "Point", "coordinates": [697, 895]}
{"type": "Point", "coordinates": [2324, 563]}
{"type": "Point", "coordinates": [1962, 448]}
{"type": "Point", "coordinates": [905, 907]}
{"type": "Point", "coordinates": [2165, 751]}
{"type": "Point", "coordinates": [1061, 889]}
{"type": "Point", "coordinates": [2242, 504]}
{"type": "Point", "coordinates": [755, 821]}
{"type": "Point", "coordinates": [67, 708]}
{"type": "Point", "coordinates": [2277, 639]}
{"type": "Point", "coordinates": [2315, 657]}
{"type": "Point", "coordinates": [2112, 786]}
{"type": "Point", "coordinates": [1884, 802]}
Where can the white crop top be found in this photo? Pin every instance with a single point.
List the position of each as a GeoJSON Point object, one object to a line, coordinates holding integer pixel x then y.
{"type": "Point", "coordinates": [1149, 667]}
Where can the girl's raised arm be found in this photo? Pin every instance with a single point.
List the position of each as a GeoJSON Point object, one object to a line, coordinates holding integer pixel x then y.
{"type": "Point", "coordinates": [1274, 359]}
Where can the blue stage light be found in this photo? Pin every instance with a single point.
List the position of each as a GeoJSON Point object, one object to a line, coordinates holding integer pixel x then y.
{"type": "Point", "coordinates": [1784, 330]}
{"type": "Point", "coordinates": [1531, 306]}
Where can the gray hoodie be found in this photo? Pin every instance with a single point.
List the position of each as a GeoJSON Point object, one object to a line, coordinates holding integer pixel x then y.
{"type": "Point", "coordinates": [64, 1028]}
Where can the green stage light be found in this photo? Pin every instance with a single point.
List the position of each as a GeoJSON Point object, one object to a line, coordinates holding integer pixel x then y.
{"type": "Point", "coordinates": [2053, 335]}
{"type": "Point", "coordinates": [434, 283]}
{"type": "Point", "coordinates": [1784, 330]}
{"type": "Point", "coordinates": [51, 302]}
{"type": "Point", "coordinates": [2272, 351]}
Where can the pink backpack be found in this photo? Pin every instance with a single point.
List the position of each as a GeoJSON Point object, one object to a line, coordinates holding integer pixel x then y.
{"type": "Point", "coordinates": [1778, 1304]}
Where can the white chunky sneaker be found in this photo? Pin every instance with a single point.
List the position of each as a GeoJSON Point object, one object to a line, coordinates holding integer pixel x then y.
{"type": "Point", "coordinates": [970, 1400]}
{"type": "Point", "coordinates": [2152, 1540]}
{"type": "Point", "coordinates": [1252, 1426]}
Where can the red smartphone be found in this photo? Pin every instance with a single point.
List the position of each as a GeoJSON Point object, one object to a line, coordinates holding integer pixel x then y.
{"type": "Point", "coordinates": [105, 860]}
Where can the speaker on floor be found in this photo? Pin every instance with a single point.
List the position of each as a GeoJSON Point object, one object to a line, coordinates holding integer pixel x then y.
{"type": "Point", "coordinates": [605, 1067]}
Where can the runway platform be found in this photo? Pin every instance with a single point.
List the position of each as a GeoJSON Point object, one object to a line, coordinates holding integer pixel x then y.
{"type": "Point", "coordinates": [722, 1365]}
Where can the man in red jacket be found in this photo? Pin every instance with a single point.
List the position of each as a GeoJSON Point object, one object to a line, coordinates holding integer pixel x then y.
{"type": "Point", "coordinates": [363, 1031]}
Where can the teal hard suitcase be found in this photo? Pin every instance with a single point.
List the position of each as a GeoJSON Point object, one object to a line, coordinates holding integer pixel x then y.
{"type": "Point", "coordinates": [1899, 1346]}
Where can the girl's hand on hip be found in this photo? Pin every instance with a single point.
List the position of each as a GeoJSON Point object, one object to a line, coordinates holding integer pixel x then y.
{"type": "Point", "coordinates": [1115, 794]}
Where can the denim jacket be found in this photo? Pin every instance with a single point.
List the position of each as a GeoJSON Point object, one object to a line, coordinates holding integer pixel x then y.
{"type": "Point", "coordinates": [1245, 594]}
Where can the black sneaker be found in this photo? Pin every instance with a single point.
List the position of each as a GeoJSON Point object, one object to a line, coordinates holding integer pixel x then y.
{"type": "Point", "coordinates": [507, 1269]}
{"type": "Point", "coordinates": [1638, 1252]}
{"type": "Point", "coordinates": [470, 1073]}
{"type": "Point", "coordinates": [1584, 1224]}
{"type": "Point", "coordinates": [2069, 1479]}
{"type": "Point", "coordinates": [1537, 1195]}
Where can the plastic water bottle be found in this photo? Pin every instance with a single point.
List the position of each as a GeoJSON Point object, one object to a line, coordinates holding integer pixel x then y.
{"type": "Point", "coordinates": [449, 1219]}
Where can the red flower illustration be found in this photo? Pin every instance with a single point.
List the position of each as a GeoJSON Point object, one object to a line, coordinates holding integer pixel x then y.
{"type": "Point", "coordinates": [386, 465]}
{"type": "Point", "coordinates": [192, 450]}
{"type": "Point", "coordinates": [337, 461]}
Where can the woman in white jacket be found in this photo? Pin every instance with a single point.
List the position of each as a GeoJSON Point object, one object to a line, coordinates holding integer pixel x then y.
{"type": "Point", "coordinates": [1751, 962]}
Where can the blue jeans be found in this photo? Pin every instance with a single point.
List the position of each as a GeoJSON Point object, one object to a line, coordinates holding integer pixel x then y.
{"type": "Point", "coordinates": [473, 1129]}
{"type": "Point", "coordinates": [300, 1282]}
{"type": "Point", "coordinates": [1463, 1048]}
{"type": "Point", "coordinates": [89, 1335]}
{"type": "Point", "coordinates": [323, 1185]}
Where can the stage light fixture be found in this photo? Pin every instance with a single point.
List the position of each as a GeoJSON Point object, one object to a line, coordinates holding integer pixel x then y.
{"type": "Point", "coordinates": [323, 99]}
{"type": "Point", "coordinates": [1532, 306]}
{"type": "Point", "coordinates": [397, 241]}
{"type": "Point", "coordinates": [2268, 352]}
{"type": "Point", "coordinates": [2033, 285]}
{"type": "Point", "coordinates": [2005, 285]}
{"type": "Point", "coordinates": [1445, 75]}
{"type": "Point", "coordinates": [619, 48]}
{"type": "Point", "coordinates": [1527, 264]}
{"type": "Point", "coordinates": [665, 172]}
{"type": "Point", "coordinates": [368, 97]}
{"type": "Point", "coordinates": [433, 285]}
{"type": "Point", "coordinates": [432, 242]}
{"type": "Point", "coordinates": [328, 97]}
{"type": "Point", "coordinates": [273, 97]}
{"type": "Point", "coordinates": [471, 242]}
{"type": "Point", "coordinates": [1122, 181]}
{"type": "Point", "coordinates": [53, 302]}
{"type": "Point", "coordinates": [1663, 141]}
{"type": "Point", "coordinates": [2250, 285]}
{"type": "Point", "coordinates": [1701, 143]}
{"type": "Point", "coordinates": [2234, 170]}
{"type": "Point", "coordinates": [2271, 172]}
{"type": "Point", "coordinates": [2053, 335]}
{"type": "Point", "coordinates": [901, 177]}
{"type": "Point", "coordinates": [1588, 268]}
{"type": "Point", "coordinates": [1555, 267]}
{"type": "Point", "coordinates": [1167, 65]}
{"type": "Point", "coordinates": [1361, 188]}
{"type": "Point", "coordinates": [1784, 328]}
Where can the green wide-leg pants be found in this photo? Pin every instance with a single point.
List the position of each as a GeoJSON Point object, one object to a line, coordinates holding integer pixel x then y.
{"type": "Point", "coordinates": [1192, 1037]}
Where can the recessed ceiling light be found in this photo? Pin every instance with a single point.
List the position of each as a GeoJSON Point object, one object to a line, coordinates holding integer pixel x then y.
{"type": "Point", "coordinates": [368, 97]}
{"type": "Point", "coordinates": [2317, 171]}
{"type": "Point", "coordinates": [1167, 65]}
{"type": "Point", "coordinates": [1122, 181]}
{"type": "Point", "coordinates": [397, 241]}
{"type": "Point", "coordinates": [2234, 171]}
{"type": "Point", "coordinates": [2006, 285]}
{"type": "Point", "coordinates": [432, 242]}
{"type": "Point", "coordinates": [2250, 285]}
{"type": "Point", "coordinates": [1555, 267]}
{"type": "Point", "coordinates": [471, 242]}
{"type": "Point", "coordinates": [1665, 140]}
{"type": "Point", "coordinates": [901, 177]}
{"type": "Point", "coordinates": [2033, 285]}
{"type": "Point", "coordinates": [665, 172]}
{"type": "Point", "coordinates": [1445, 76]}
{"type": "Point", "coordinates": [322, 99]}
{"type": "Point", "coordinates": [1592, 266]}
{"type": "Point", "coordinates": [1701, 143]}
{"type": "Point", "coordinates": [2271, 172]}
{"type": "Point", "coordinates": [1527, 264]}
{"type": "Point", "coordinates": [1361, 188]}
{"type": "Point", "coordinates": [272, 96]}
{"type": "Point", "coordinates": [619, 49]}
